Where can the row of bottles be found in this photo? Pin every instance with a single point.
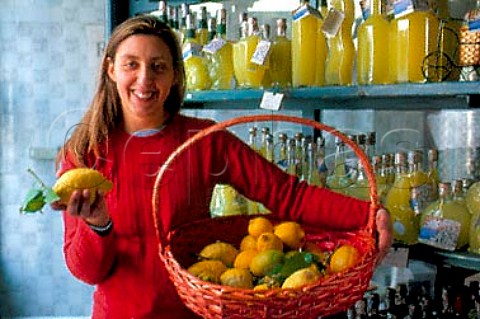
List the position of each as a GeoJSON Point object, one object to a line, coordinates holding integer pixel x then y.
{"type": "Point", "coordinates": [404, 41]}
{"type": "Point", "coordinates": [423, 208]}
{"type": "Point", "coordinates": [416, 302]}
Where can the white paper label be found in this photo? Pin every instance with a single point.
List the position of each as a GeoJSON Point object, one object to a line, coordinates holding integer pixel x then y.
{"type": "Point", "coordinates": [333, 22]}
{"type": "Point", "coordinates": [271, 101]}
{"type": "Point", "coordinates": [439, 232]}
{"type": "Point", "coordinates": [261, 52]}
{"type": "Point", "coordinates": [214, 46]}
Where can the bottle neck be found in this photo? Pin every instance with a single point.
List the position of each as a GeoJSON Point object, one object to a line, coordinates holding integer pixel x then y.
{"type": "Point", "coordinates": [376, 7]}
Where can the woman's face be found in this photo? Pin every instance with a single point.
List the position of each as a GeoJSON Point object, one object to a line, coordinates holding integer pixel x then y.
{"type": "Point", "coordinates": [143, 72]}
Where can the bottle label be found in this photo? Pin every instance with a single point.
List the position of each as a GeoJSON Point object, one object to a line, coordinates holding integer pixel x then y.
{"type": "Point", "coordinates": [261, 52]}
{"type": "Point", "coordinates": [473, 20]}
{"type": "Point", "coordinates": [365, 7]}
{"type": "Point", "coordinates": [333, 22]}
{"type": "Point", "coordinates": [214, 45]}
{"type": "Point", "coordinates": [402, 7]}
{"type": "Point", "coordinates": [191, 50]}
{"type": "Point", "coordinates": [305, 11]}
{"type": "Point", "coordinates": [439, 232]}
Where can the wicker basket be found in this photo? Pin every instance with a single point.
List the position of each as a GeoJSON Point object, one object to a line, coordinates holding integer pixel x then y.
{"type": "Point", "coordinates": [329, 295]}
{"type": "Point", "coordinates": [469, 47]}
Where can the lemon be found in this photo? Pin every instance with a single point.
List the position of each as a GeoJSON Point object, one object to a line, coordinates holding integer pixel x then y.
{"type": "Point", "coordinates": [302, 277]}
{"type": "Point", "coordinates": [268, 241]}
{"type": "Point", "coordinates": [264, 262]}
{"type": "Point", "coordinates": [208, 270]}
{"type": "Point", "coordinates": [221, 251]}
{"type": "Point", "coordinates": [259, 225]}
{"type": "Point", "coordinates": [244, 259]}
{"type": "Point", "coordinates": [248, 242]}
{"type": "Point", "coordinates": [239, 278]}
{"type": "Point", "coordinates": [291, 234]}
{"type": "Point", "coordinates": [343, 258]}
{"type": "Point", "coordinates": [79, 179]}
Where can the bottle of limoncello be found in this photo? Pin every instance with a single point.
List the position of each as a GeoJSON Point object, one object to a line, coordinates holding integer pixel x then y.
{"type": "Point", "coordinates": [239, 54]}
{"type": "Point", "coordinates": [341, 50]}
{"type": "Point", "coordinates": [196, 65]}
{"type": "Point", "coordinates": [413, 35]}
{"type": "Point", "coordinates": [202, 26]}
{"type": "Point", "coordinates": [265, 33]}
{"type": "Point", "coordinates": [321, 45]}
{"type": "Point", "coordinates": [372, 55]}
{"type": "Point", "coordinates": [404, 219]}
{"type": "Point", "coordinates": [281, 57]}
{"type": "Point", "coordinates": [445, 223]}
{"type": "Point", "coordinates": [219, 54]}
{"type": "Point", "coordinates": [305, 29]}
{"type": "Point", "coordinates": [254, 73]}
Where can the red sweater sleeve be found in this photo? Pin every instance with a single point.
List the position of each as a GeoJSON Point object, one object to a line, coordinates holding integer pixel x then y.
{"type": "Point", "coordinates": [285, 195]}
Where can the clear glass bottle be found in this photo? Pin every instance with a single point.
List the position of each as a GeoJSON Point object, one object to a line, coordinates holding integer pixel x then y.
{"type": "Point", "coordinates": [281, 151]}
{"type": "Point", "coordinates": [313, 177]}
{"type": "Point", "coordinates": [445, 224]}
{"type": "Point", "coordinates": [372, 54]}
{"type": "Point", "coordinates": [404, 220]}
{"type": "Point", "coordinates": [281, 57]}
{"type": "Point", "coordinates": [338, 181]}
{"type": "Point", "coordinates": [433, 176]}
{"type": "Point", "coordinates": [212, 28]}
{"type": "Point", "coordinates": [321, 163]}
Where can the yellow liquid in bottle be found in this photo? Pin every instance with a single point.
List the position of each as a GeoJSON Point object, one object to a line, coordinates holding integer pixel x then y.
{"type": "Point", "coordinates": [412, 38]}
{"type": "Point", "coordinates": [202, 36]}
{"type": "Point", "coordinates": [221, 67]}
{"type": "Point", "coordinates": [339, 64]}
{"type": "Point", "coordinates": [452, 211]}
{"type": "Point", "coordinates": [239, 65]}
{"type": "Point", "coordinates": [304, 49]}
{"type": "Point", "coordinates": [254, 73]}
{"type": "Point", "coordinates": [474, 235]}
{"type": "Point", "coordinates": [322, 52]}
{"type": "Point", "coordinates": [281, 62]}
{"type": "Point", "coordinates": [404, 220]}
{"type": "Point", "coordinates": [196, 66]}
{"type": "Point", "coordinates": [372, 56]}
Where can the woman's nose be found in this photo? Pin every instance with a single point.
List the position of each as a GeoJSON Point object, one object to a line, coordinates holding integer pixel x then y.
{"type": "Point", "coordinates": [146, 74]}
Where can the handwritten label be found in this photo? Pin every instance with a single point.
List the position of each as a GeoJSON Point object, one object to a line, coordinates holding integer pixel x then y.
{"type": "Point", "coordinates": [333, 22]}
{"type": "Point", "coordinates": [261, 52]}
{"type": "Point", "coordinates": [214, 46]}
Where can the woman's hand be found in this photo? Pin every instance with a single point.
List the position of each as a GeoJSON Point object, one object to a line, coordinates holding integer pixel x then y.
{"type": "Point", "coordinates": [79, 206]}
{"type": "Point", "coordinates": [384, 233]}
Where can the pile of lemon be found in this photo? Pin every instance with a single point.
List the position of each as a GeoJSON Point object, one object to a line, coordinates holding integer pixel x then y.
{"type": "Point", "coordinates": [271, 256]}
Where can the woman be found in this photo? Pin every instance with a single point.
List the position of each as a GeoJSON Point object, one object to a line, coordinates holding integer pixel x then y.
{"type": "Point", "coordinates": [128, 131]}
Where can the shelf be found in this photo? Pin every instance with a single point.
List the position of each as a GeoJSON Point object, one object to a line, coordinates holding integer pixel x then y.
{"type": "Point", "coordinates": [442, 95]}
{"type": "Point", "coordinates": [459, 259]}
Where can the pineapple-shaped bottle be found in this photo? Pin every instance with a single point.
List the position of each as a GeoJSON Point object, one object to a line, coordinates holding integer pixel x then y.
{"type": "Point", "coordinates": [196, 65]}
{"type": "Point", "coordinates": [281, 57]}
{"type": "Point", "coordinates": [445, 223]}
{"type": "Point", "coordinates": [219, 54]}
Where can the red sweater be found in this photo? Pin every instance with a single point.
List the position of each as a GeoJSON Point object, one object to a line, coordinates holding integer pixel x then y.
{"type": "Point", "coordinates": [130, 279]}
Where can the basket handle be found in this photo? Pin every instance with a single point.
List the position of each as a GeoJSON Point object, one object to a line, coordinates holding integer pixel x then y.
{"type": "Point", "coordinates": [264, 118]}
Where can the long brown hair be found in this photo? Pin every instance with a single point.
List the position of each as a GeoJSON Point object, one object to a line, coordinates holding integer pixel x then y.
{"type": "Point", "coordinates": [105, 113]}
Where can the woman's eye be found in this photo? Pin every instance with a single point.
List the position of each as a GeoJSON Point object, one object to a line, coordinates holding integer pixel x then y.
{"type": "Point", "coordinates": [130, 65]}
{"type": "Point", "coordinates": [159, 67]}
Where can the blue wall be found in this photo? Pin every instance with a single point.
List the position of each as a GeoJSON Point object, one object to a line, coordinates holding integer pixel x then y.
{"type": "Point", "coordinates": [48, 63]}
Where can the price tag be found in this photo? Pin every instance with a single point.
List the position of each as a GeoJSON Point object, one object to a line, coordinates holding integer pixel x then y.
{"type": "Point", "coordinates": [396, 257]}
{"type": "Point", "coordinates": [439, 232]}
{"type": "Point", "coordinates": [271, 101]}
{"type": "Point", "coordinates": [333, 22]}
{"type": "Point", "coordinates": [261, 52]}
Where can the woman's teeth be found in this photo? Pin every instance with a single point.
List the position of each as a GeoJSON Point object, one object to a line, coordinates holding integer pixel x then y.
{"type": "Point", "coordinates": [143, 95]}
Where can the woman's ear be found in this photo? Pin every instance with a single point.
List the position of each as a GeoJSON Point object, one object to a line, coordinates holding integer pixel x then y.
{"type": "Point", "coordinates": [111, 69]}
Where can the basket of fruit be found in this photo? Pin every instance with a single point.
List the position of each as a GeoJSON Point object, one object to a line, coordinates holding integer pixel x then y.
{"type": "Point", "coordinates": [258, 267]}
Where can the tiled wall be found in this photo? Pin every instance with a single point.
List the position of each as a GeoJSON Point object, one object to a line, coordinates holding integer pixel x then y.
{"type": "Point", "coordinates": [48, 58]}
